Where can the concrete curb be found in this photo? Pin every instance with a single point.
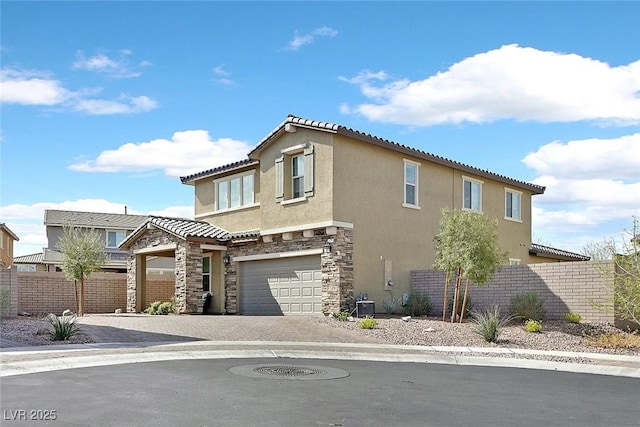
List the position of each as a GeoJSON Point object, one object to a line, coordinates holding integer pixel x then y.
{"type": "Point", "coordinates": [26, 360]}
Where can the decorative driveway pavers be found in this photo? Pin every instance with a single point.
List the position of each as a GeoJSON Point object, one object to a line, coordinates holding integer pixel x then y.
{"type": "Point", "coordinates": [105, 328]}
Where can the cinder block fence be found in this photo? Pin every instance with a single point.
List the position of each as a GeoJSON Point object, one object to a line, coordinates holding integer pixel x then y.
{"type": "Point", "coordinates": [564, 287]}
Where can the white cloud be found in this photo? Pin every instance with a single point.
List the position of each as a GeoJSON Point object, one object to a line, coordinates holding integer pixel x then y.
{"type": "Point", "coordinates": [511, 82]}
{"type": "Point", "coordinates": [300, 40]}
{"type": "Point", "coordinates": [112, 67]}
{"type": "Point", "coordinates": [591, 185]}
{"type": "Point", "coordinates": [175, 212]}
{"type": "Point", "coordinates": [38, 88]}
{"type": "Point", "coordinates": [187, 152]}
{"type": "Point", "coordinates": [30, 88]}
{"type": "Point", "coordinates": [124, 104]}
{"type": "Point", "coordinates": [222, 76]}
{"type": "Point", "coordinates": [589, 158]}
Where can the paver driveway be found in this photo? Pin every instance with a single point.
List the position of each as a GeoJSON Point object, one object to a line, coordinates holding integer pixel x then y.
{"type": "Point", "coordinates": [145, 328]}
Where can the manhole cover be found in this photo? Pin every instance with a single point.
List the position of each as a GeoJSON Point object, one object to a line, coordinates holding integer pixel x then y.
{"type": "Point", "coordinates": [289, 372]}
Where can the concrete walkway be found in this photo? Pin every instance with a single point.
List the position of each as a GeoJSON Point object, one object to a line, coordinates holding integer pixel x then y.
{"type": "Point", "coordinates": [141, 338]}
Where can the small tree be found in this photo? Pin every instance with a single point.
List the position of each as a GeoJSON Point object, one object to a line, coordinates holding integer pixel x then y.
{"type": "Point", "coordinates": [622, 261]}
{"type": "Point", "coordinates": [467, 247]}
{"type": "Point", "coordinates": [83, 253]}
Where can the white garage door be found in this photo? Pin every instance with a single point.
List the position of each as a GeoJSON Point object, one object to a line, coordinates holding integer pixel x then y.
{"type": "Point", "coordinates": [286, 286]}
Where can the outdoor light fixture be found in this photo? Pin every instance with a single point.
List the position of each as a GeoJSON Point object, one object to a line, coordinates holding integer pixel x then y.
{"type": "Point", "coordinates": [326, 249]}
{"type": "Point", "coordinates": [226, 259]}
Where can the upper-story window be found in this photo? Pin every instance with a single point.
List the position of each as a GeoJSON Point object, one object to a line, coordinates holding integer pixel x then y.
{"type": "Point", "coordinates": [294, 173]}
{"type": "Point", "coordinates": [297, 176]}
{"type": "Point", "coordinates": [472, 194]}
{"type": "Point", "coordinates": [411, 184]}
{"type": "Point", "coordinates": [512, 205]}
{"type": "Point", "coordinates": [234, 191]}
{"type": "Point", "coordinates": [115, 237]}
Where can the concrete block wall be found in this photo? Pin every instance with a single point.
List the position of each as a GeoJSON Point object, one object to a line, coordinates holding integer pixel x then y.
{"type": "Point", "coordinates": [49, 292]}
{"type": "Point", "coordinates": [566, 286]}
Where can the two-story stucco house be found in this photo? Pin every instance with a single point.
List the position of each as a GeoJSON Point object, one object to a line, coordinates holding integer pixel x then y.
{"type": "Point", "coordinates": [317, 215]}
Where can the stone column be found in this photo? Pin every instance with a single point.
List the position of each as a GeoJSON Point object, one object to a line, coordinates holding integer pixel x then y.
{"type": "Point", "coordinates": [132, 295]}
{"type": "Point", "coordinates": [337, 273]}
{"type": "Point", "coordinates": [189, 277]}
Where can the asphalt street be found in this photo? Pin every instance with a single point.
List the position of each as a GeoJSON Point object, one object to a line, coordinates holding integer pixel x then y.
{"type": "Point", "coordinates": [314, 392]}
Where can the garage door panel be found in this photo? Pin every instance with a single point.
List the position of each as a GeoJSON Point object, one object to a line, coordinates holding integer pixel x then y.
{"type": "Point", "coordinates": [281, 286]}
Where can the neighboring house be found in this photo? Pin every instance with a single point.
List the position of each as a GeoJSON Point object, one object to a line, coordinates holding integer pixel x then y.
{"type": "Point", "coordinates": [7, 237]}
{"type": "Point", "coordinates": [319, 215]}
{"type": "Point", "coordinates": [113, 228]}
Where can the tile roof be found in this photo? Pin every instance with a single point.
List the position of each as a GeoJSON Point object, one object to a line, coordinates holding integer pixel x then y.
{"type": "Point", "coordinates": [180, 227]}
{"type": "Point", "coordinates": [4, 227]}
{"type": "Point", "coordinates": [343, 130]}
{"type": "Point", "coordinates": [220, 169]}
{"type": "Point", "coordinates": [29, 259]}
{"type": "Point", "coordinates": [93, 219]}
{"type": "Point", "coordinates": [550, 252]}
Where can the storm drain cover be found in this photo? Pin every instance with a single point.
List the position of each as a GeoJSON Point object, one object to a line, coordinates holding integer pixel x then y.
{"type": "Point", "coordinates": [289, 372]}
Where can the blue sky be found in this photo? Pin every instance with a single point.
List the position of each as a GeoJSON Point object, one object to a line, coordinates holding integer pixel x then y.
{"type": "Point", "coordinates": [106, 104]}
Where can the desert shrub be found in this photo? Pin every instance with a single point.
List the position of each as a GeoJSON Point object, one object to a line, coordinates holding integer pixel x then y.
{"type": "Point", "coordinates": [533, 326]}
{"type": "Point", "coordinates": [341, 316]}
{"type": "Point", "coordinates": [390, 305]}
{"type": "Point", "coordinates": [64, 327]}
{"type": "Point", "coordinates": [489, 323]}
{"type": "Point", "coordinates": [572, 317]}
{"type": "Point", "coordinates": [417, 305]}
{"type": "Point", "coordinates": [527, 306]}
{"type": "Point", "coordinates": [468, 311]}
{"type": "Point", "coordinates": [368, 323]}
{"type": "Point", "coordinates": [162, 307]}
{"type": "Point", "coordinates": [618, 339]}
{"type": "Point", "coordinates": [5, 302]}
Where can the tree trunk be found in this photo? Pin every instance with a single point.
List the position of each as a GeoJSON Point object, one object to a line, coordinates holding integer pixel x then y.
{"type": "Point", "coordinates": [81, 305]}
{"type": "Point", "coordinates": [456, 295]}
{"type": "Point", "coordinates": [446, 292]}
{"type": "Point", "coordinates": [464, 301]}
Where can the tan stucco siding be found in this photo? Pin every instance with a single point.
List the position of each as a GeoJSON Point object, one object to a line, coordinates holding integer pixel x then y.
{"type": "Point", "coordinates": [369, 183]}
{"type": "Point", "coordinates": [236, 219]}
{"type": "Point", "coordinates": [6, 249]}
{"type": "Point", "coordinates": [316, 208]}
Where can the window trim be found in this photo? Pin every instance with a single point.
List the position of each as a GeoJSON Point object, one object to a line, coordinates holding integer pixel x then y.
{"type": "Point", "coordinates": [228, 179]}
{"type": "Point", "coordinates": [114, 230]}
{"type": "Point", "coordinates": [466, 179]}
{"type": "Point", "coordinates": [416, 205]}
{"type": "Point", "coordinates": [515, 261]}
{"type": "Point", "coordinates": [511, 218]}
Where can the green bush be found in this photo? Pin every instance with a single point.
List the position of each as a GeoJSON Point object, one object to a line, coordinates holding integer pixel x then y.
{"type": "Point", "coordinates": [533, 326]}
{"type": "Point", "coordinates": [489, 323]}
{"type": "Point", "coordinates": [572, 317]}
{"type": "Point", "coordinates": [417, 305]}
{"type": "Point", "coordinates": [527, 306]}
{"type": "Point", "coordinates": [341, 316]}
{"type": "Point", "coordinates": [64, 327]}
{"type": "Point", "coordinates": [162, 307]}
{"type": "Point", "coordinates": [390, 305]}
{"type": "Point", "coordinates": [5, 302]}
{"type": "Point", "coordinates": [368, 323]}
{"type": "Point", "coordinates": [468, 310]}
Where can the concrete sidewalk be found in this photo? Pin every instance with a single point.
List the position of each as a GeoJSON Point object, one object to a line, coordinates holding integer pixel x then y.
{"type": "Point", "coordinates": [132, 338]}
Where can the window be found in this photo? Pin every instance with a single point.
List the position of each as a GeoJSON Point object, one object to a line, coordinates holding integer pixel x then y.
{"type": "Point", "coordinates": [472, 198]}
{"type": "Point", "coordinates": [206, 274]}
{"type": "Point", "coordinates": [30, 268]}
{"type": "Point", "coordinates": [114, 238]}
{"type": "Point", "coordinates": [297, 177]}
{"type": "Point", "coordinates": [512, 203]}
{"type": "Point", "coordinates": [515, 261]}
{"type": "Point", "coordinates": [411, 184]}
{"type": "Point", "coordinates": [294, 173]}
{"type": "Point", "coordinates": [234, 192]}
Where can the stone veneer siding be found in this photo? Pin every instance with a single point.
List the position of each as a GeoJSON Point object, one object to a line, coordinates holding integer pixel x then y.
{"type": "Point", "coordinates": [337, 266]}
{"type": "Point", "coordinates": [188, 282]}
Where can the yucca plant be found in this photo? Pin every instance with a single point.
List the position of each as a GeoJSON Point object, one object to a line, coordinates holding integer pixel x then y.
{"type": "Point", "coordinates": [527, 306]}
{"type": "Point", "coordinates": [64, 327]}
{"type": "Point", "coordinates": [489, 323]}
